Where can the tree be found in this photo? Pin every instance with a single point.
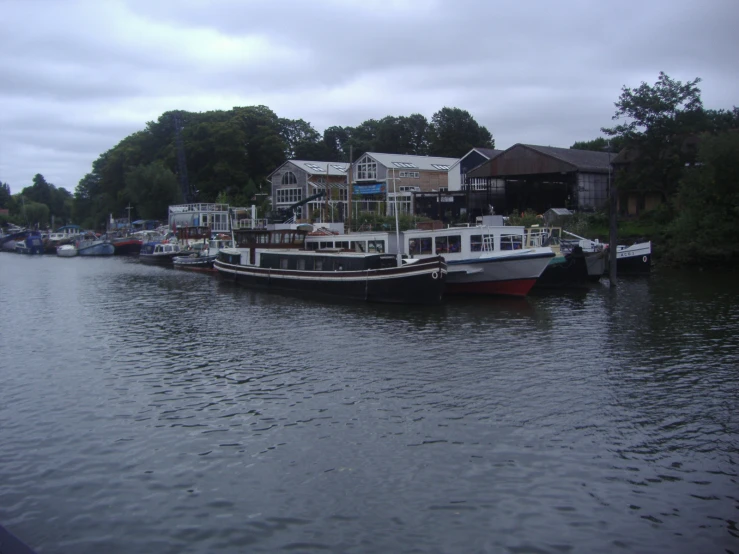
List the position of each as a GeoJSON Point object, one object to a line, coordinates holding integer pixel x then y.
{"type": "Point", "coordinates": [153, 188]}
{"type": "Point", "coordinates": [454, 132]}
{"type": "Point", "coordinates": [600, 144]}
{"type": "Point", "coordinates": [707, 204]}
{"type": "Point", "coordinates": [5, 196]}
{"type": "Point", "coordinates": [659, 120]}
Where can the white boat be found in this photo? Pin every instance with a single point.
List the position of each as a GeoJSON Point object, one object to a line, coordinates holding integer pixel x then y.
{"type": "Point", "coordinates": [65, 233]}
{"type": "Point", "coordinates": [484, 259]}
{"type": "Point", "coordinates": [634, 258]}
{"type": "Point", "coordinates": [66, 250]}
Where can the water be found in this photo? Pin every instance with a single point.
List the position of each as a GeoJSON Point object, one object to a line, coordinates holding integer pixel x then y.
{"type": "Point", "coordinates": [148, 410]}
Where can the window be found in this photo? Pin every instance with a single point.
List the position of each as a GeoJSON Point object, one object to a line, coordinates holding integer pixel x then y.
{"type": "Point", "coordinates": [341, 168]}
{"type": "Point", "coordinates": [288, 178]}
{"type": "Point", "coordinates": [410, 174]}
{"type": "Point", "coordinates": [301, 265]}
{"type": "Point", "coordinates": [445, 245]}
{"type": "Point", "coordinates": [316, 168]}
{"type": "Point", "coordinates": [511, 242]}
{"type": "Point", "coordinates": [476, 243]}
{"type": "Point", "coordinates": [283, 263]}
{"type": "Point", "coordinates": [289, 196]}
{"type": "Point", "coordinates": [421, 245]}
{"type": "Point", "coordinates": [319, 265]}
{"type": "Point", "coordinates": [366, 169]}
{"type": "Point", "coordinates": [376, 246]}
{"type": "Point", "coordinates": [441, 167]}
{"type": "Point", "coordinates": [405, 164]}
{"type": "Point", "coordinates": [359, 246]}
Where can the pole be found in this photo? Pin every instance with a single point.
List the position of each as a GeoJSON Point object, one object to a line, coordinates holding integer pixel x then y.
{"type": "Point", "coordinates": [613, 234]}
{"type": "Point", "coordinates": [350, 176]}
{"type": "Point", "coordinates": [397, 224]}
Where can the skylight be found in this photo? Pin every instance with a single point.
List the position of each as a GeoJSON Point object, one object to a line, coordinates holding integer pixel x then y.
{"type": "Point", "coordinates": [405, 164]}
{"type": "Point", "coordinates": [441, 166]}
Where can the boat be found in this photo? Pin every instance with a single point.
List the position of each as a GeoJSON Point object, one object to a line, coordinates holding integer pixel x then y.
{"type": "Point", "coordinates": [126, 244]}
{"type": "Point", "coordinates": [630, 259]}
{"type": "Point", "coordinates": [33, 243]}
{"type": "Point", "coordinates": [9, 241]}
{"type": "Point", "coordinates": [94, 247]}
{"type": "Point", "coordinates": [486, 259]}
{"type": "Point", "coordinates": [204, 254]}
{"type": "Point", "coordinates": [568, 268]}
{"type": "Point", "coordinates": [66, 250]}
{"type": "Point", "coordinates": [277, 259]}
{"type": "Point", "coordinates": [159, 253]}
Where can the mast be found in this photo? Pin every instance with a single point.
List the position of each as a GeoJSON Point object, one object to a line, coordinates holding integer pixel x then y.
{"type": "Point", "coordinates": [349, 192]}
{"type": "Point", "coordinates": [397, 224]}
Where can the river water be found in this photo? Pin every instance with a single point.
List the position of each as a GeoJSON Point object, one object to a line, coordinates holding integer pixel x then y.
{"type": "Point", "coordinates": [149, 410]}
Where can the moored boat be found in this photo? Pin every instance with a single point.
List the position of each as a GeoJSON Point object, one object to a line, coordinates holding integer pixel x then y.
{"type": "Point", "coordinates": [66, 250]}
{"type": "Point", "coordinates": [159, 253]}
{"type": "Point", "coordinates": [568, 269]}
{"type": "Point", "coordinates": [33, 243]}
{"type": "Point", "coordinates": [276, 259]}
{"type": "Point", "coordinates": [94, 247]}
{"type": "Point", "coordinates": [204, 257]}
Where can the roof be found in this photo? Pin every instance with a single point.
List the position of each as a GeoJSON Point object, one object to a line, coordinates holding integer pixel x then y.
{"type": "Point", "coordinates": [484, 152]}
{"type": "Point", "coordinates": [584, 160]}
{"type": "Point", "coordinates": [409, 161]}
{"type": "Point", "coordinates": [316, 167]}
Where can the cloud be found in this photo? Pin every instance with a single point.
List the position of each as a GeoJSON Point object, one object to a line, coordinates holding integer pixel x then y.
{"type": "Point", "coordinates": [80, 76]}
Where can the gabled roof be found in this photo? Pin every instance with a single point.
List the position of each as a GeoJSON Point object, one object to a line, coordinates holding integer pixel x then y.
{"type": "Point", "coordinates": [583, 160]}
{"type": "Point", "coordinates": [408, 161]}
{"type": "Point", "coordinates": [486, 153]}
{"type": "Point", "coordinates": [315, 167]}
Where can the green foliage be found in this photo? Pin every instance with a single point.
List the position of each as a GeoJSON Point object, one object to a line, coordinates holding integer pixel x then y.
{"type": "Point", "coordinates": [600, 144]}
{"type": "Point", "coordinates": [707, 206]}
{"type": "Point", "coordinates": [6, 198]}
{"type": "Point", "coordinates": [153, 188]}
{"type": "Point", "coordinates": [454, 132]}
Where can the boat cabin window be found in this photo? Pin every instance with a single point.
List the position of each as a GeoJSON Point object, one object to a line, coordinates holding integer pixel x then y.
{"type": "Point", "coordinates": [359, 246]}
{"type": "Point", "coordinates": [445, 245]}
{"type": "Point", "coordinates": [342, 244]}
{"type": "Point", "coordinates": [301, 264]}
{"type": "Point", "coordinates": [420, 245]}
{"type": "Point", "coordinates": [318, 265]}
{"type": "Point", "coordinates": [283, 263]}
{"type": "Point", "coordinates": [376, 246]}
{"type": "Point", "coordinates": [511, 242]}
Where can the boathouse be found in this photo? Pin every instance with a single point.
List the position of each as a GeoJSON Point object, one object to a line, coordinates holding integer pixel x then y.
{"type": "Point", "coordinates": [530, 177]}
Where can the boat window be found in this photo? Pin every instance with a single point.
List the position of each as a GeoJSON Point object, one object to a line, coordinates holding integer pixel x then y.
{"type": "Point", "coordinates": [359, 246]}
{"type": "Point", "coordinates": [376, 246]}
{"type": "Point", "coordinates": [301, 264]}
{"type": "Point", "coordinates": [455, 243]}
{"type": "Point", "coordinates": [312, 245]}
{"type": "Point", "coordinates": [319, 265]}
{"type": "Point", "coordinates": [442, 245]}
{"type": "Point", "coordinates": [283, 263]}
{"type": "Point", "coordinates": [342, 244]}
{"type": "Point", "coordinates": [326, 244]}
{"type": "Point", "coordinates": [425, 245]}
{"type": "Point", "coordinates": [511, 242]}
{"type": "Point", "coordinates": [475, 243]}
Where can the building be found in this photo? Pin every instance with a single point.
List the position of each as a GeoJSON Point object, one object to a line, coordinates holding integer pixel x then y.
{"type": "Point", "coordinates": [530, 177]}
{"type": "Point", "coordinates": [297, 180]}
{"type": "Point", "coordinates": [472, 159]}
{"type": "Point", "coordinates": [381, 179]}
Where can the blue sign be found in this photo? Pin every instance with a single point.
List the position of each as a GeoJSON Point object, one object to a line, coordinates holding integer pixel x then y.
{"type": "Point", "coordinates": [377, 188]}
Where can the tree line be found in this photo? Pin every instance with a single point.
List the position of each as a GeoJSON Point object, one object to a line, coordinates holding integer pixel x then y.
{"type": "Point", "coordinates": [229, 154]}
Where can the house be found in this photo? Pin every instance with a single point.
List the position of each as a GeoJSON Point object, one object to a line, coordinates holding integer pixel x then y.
{"type": "Point", "coordinates": [384, 178]}
{"type": "Point", "coordinates": [296, 181]}
{"type": "Point", "coordinates": [527, 176]}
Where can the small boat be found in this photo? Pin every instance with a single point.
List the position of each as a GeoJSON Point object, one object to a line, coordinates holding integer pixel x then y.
{"type": "Point", "coordinates": [94, 247]}
{"type": "Point", "coordinates": [568, 268]}
{"type": "Point", "coordinates": [204, 255]}
{"type": "Point", "coordinates": [66, 250]}
{"type": "Point", "coordinates": [127, 245]}
{"type": "Point", "coordinates": [31, 244]}
{"type": "Point", "coordinates": [630, 259]}
{"type": "Point", "coordinates": [276, 259]}
{"type": "Point", "coordinates": [159, 253]}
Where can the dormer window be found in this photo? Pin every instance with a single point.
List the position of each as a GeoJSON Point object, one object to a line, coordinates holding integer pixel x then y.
{"type": "Point", "coordinates": [288, 178]}
{"type": "Point", "coordinates": [366, 169]}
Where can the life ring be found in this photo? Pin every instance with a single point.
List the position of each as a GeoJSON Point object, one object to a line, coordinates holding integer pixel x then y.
{"type": "Point", "coordinates": [434, 274]}
{"type": "Point", "coordinates": [644, 259]}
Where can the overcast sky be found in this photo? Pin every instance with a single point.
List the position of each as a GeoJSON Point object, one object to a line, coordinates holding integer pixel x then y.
{"type": "Point", "coordinates": [77, 77]}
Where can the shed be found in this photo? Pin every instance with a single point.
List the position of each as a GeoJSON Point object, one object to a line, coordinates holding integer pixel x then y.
{"type": "Point", "coordinates": [542, 177]}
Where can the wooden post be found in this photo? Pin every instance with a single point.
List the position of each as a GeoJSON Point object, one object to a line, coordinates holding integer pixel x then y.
{"type": "Point", "coordinates": [613, 231]}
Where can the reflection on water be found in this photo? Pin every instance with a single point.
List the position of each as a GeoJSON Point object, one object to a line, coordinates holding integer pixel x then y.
{"type": "Point", "coordinates": [152, 410]}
